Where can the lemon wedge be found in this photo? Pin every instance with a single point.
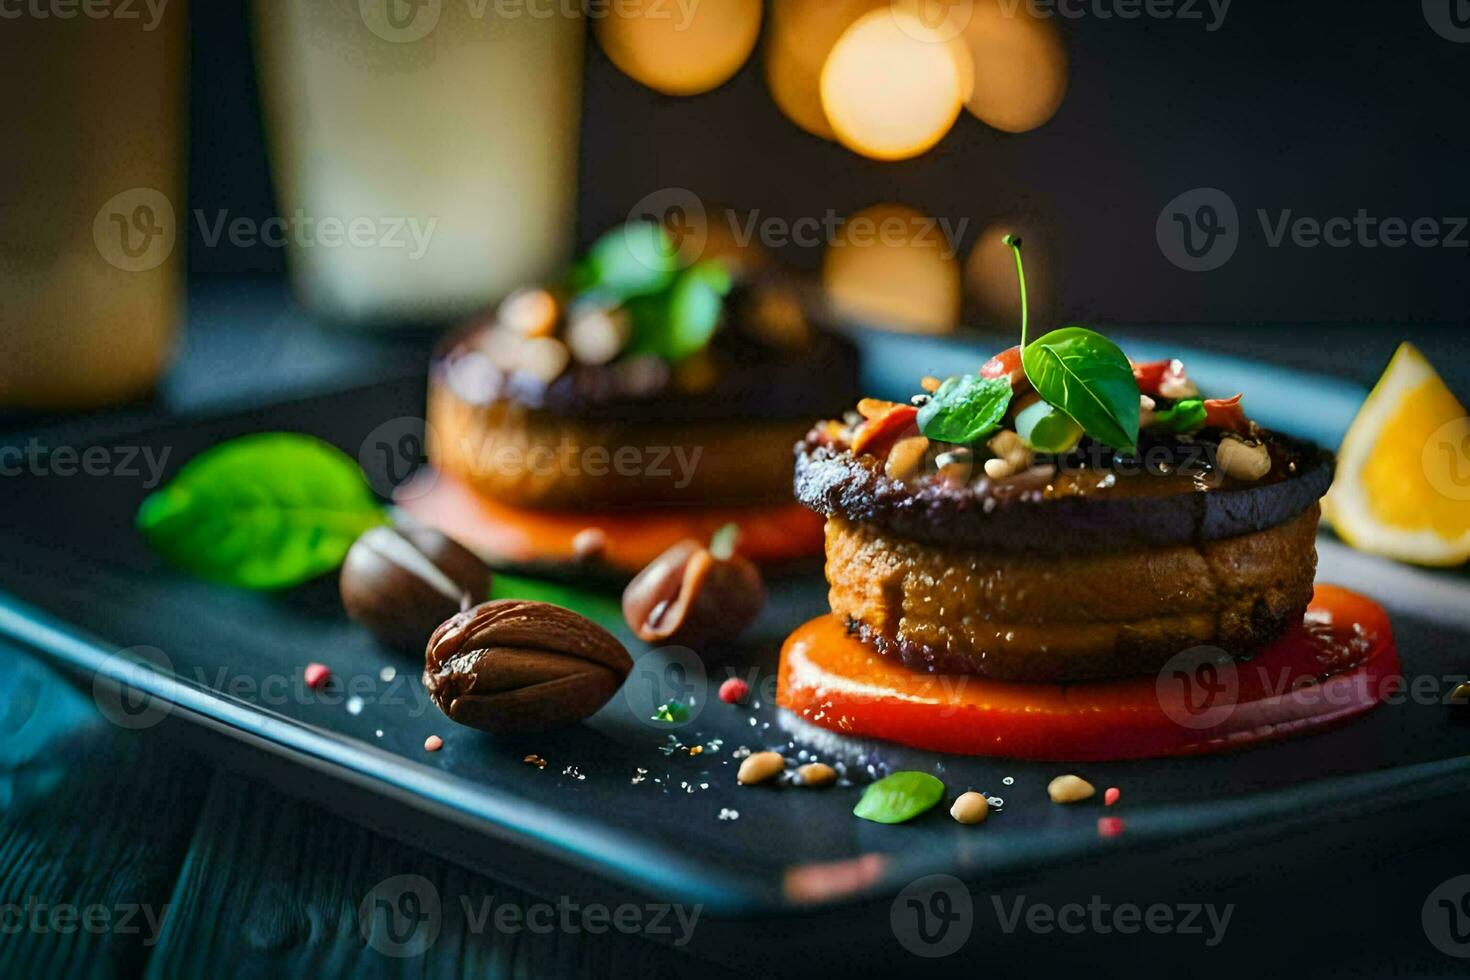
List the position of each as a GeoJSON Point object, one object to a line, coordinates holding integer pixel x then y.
{"type": "Point", "coordinates": [1403, 472]}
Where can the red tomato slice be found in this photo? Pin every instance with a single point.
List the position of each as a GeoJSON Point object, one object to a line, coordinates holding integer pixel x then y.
{"type": "Point", "coordinates": [776, 533]}
{"type": "Point", "coordinates": [1341, 661]}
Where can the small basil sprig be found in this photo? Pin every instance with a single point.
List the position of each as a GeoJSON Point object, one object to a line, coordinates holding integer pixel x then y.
{"type": "Point", "coordinates": [966, 408]}
{"type": "Point", "coordinates": [681, 320]}
{"type": "Point", "coordinates": [1183, 416]}
{"type": "Point", "coordinates": [265, 511]}
{"type": "Point", "coordinates": [898, 797]}
{"type": "Point", "coordinates": [1087, 376]}
{"type": "Point", "coordinates": [637, 259]}
{"type": "Point", "coordinates": [1082, 374]}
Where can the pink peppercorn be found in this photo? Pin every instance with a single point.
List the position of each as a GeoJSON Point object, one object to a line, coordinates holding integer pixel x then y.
{"type": "Point", "coordinates": [433, 743]}
{"type": "Point", "coordinates": [317, 675]}
{"type": "Point", "coordinates": [1110, 796]}
{"type": "Point", "coordinates": [734, 691]}
{"type": "Point", "coordinates": [1109, 826]}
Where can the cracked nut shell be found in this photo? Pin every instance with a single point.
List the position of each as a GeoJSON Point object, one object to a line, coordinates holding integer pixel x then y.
{"type": "Point", "coordinates": [402, 582]}
{"type": "Point", "coordinates": [687, 596]}
{"type": "Point", "coordinates": [510, 665]}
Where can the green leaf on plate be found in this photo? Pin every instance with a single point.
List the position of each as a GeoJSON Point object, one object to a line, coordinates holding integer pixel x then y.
{"type": "Point", "coordinates": [264, 511]}
{"type": "Point", "coordinates": [1183, 416]}
{"type": "Point", "coordinates": [1088, 377]}
{"type": "Point", "coordinates": [681, 322]}
{"type": "Point", "coordinates": [966, 408]}
{"type": "Point", "coordinates": [898, 797]}
{"type": "Point", "coordinates": [636, 259]}
{"type": "Point", "coordinates": [602, 608]}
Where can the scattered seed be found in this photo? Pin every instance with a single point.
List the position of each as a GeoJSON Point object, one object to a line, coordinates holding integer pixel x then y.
{"type": "Point", "coordinates": [759, 766]}
{"type": "Point", "coordinates": [317, 675]}
{"type": "Point", "coordinates": [589, 543]}
{"type": "Point", "coordinates": [728, 814]}
{"type": "Point", "coordinates": [1110, 795]}
{"type": "Point", "coordinates": [1109, 826]}
{"type": "Point", "coordinates": [1069, 789]}
{"type": "Point", "coordinates": [433, 743]}
{"type": "Point", "coordinates": [930, 383]}
{"type": "Point", "coordinates": [970, 807]}
{"type": "Point", "coordinates": [535, 760]}
{"type": "Point", "coordinates": [387, 674]}
{"type": "Point", "coordinates": [1460, 696]}
{"type": "Point", "coordinates": [734, 691]}
{"type": "Point", "coordinates": [354, 705]}
{"type": "Point", "coordinates": [816, 774]}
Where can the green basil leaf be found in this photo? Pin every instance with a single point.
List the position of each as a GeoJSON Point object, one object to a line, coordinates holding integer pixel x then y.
{"type": "Point", "coordinates": [1187, 415]}
{"type": "Point", "coordinates": [965, 408]}
{"type": "Point", "coordinates": [681, 322]}
{"type": "Point", "coordinates": [898, 797]}
{"type": "Point", "coordinates": [638, 259]}
{"type": "Point", "coordinates": [264, 511]}
{"type": "Point", "coordinates": [601, 608]}
{"type": "Point", "coordinates": [1087, 376]}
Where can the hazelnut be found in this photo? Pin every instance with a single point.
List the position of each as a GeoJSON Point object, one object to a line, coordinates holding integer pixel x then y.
{"type": "Point", "coordinates": [403, 582]}
{"type": "Point", "coordinates": [691, 595]}
{"type": "Point", "coordinates": [510, 665]}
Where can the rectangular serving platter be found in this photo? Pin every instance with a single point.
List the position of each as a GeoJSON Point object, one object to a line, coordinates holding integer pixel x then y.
{"type": "Point", "coordinates": [622, 801]}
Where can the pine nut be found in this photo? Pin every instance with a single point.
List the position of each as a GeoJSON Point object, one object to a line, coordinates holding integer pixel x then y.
{"type": "Point", "coordinates": [598, 336]}
{"type": "Point", "coordinates": [816, 774]}
{"type": "Point", "coordinates": [1243, 460]}
{"type": "Point", "coordinates": [905, 456]}
{"type": "Point", "coordinates": [998, 468]}
{"type": "Point", "coordinates": [759, 766]}
{"type": "Point", "coordinates": [1069, 789]}
{"type": "Point", "coordinates": [530, 312]}
{"type": "Point", "coordinates": [971, 807]}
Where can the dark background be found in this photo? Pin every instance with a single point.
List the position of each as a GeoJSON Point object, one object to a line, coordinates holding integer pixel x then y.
{"type": "Point", "coordinates": [1318, 107]}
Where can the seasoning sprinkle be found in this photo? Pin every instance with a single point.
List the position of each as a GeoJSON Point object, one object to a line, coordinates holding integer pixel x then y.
{"type": "Point", "coordinates": [1110, 795]}
{"type": "Point", "coordinates": [433, 743]}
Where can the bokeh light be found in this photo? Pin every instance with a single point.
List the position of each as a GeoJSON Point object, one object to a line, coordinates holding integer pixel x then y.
{"type": "Point", "coordinates": [677, 49]}
{"type": "Point", "coordinates": [893, 266]}
{"type": "Point", "coordinates": [893, 86]}
{"type": "Point", "coordinates": [799, 38]}
{"type": "Point", "coordinates": [990, 275]}
{"type": "Point", "coordinates": [1019, 62]}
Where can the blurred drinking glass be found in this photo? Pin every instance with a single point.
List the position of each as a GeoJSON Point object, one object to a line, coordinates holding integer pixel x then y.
{"type": "Point", "coordinates": [91, 200]}
{"type": "Point", "coordinates": [424, 150]}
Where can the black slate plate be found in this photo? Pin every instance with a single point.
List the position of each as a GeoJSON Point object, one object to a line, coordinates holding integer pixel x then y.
{"type": "Point", "coordinates": [617, 797]}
